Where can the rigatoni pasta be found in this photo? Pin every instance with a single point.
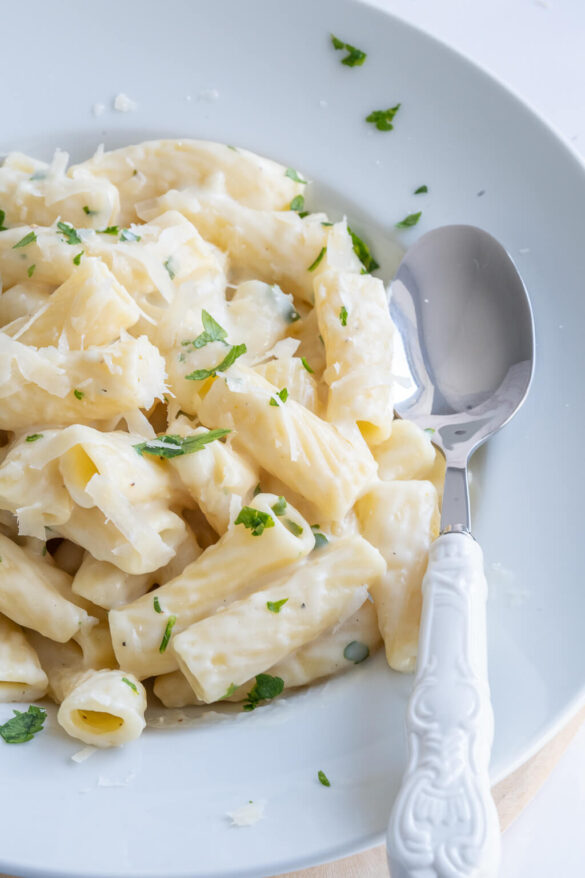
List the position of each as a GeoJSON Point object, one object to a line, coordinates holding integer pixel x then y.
{"type": "Point", "coordinates": [201, 478]}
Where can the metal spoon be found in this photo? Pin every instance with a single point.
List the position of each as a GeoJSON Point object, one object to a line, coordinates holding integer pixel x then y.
{"type": "Point", "coordinates": [466, 326]}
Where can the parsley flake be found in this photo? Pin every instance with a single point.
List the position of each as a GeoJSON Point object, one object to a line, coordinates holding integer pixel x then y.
{"type": "Point", "coordinates": [109, 230]}
{"type": "Point", "coordinates": [254, 519]}
{"type": "Point", "coordinates": [127, 235]}
{"type": "Point", "coordinates": [24, 242]}
{"type": "Point", "coordinates": [276, 606]}
{"type": "Point", "coordinates": [212, 331]}
{"type": "Point", "coordinates": [356, 652]}
{"type": "Point", "coordinates": [282, 395]}
{"type": "Point", "coordinates": [132, 685]}
{"type": "Point", "coordinates": [354, 58]}
{"type": "Point", "coordinates": [326, 225]}
{"type": "Point", "coordinates": [343, 315]}
{"type": "Point", "coordinates": [314, 264]}
{"type": "Point", "coordinates": [294, 175]}
{"type": "Point", "coordinates": [3, 228]}
{"type": "Point", "coordinates": [170, 270]}
{"type": "Point", "coordinates": [320, 538]}
{"type": "Point", "coordinates": [257, 490]}
{"type": "Point", "coordinates": [298, 203]}
{"type": "Point", "coordinates": [69, 233]}
{"type": "Point", "coordinates": [265, 688]}
{"type": "Point", "coordinates": [362, 251]}
{"type": "Point", "coordinates": [293, 315]}
{"type": "Point", "coordinates": [23, 726]}
{"type": "Point", "coordinates": [234, 352]}
{"type": "Point", "coordinates": [295, 529]}
{"type": "Point", "coordinates": [167, 446]}
{"type": "Point", "coordinates": [279, 507]}
{"type": "Point", "coordinates": [156, 604]}
{"type": "Point", "coordinates": [78, 394]}
{"type": "Point", "coordinates": [167, 635]}
{"type": "Point", "coordinates": [229, 691]}
{"type": "Point", "coordinates": [31, 270]}
{"type": "Point", "coordinates": [323, 779]}
{"type": "Point", "coordinates": [33, 437]}
{"type": "Point", "coordinates": [306, 365]}
{"type": "Point", "coordinates": [88, 211]}
{"type": "Point", "coordinates": [77, 259]}
{"type": "Point", "coordinates": [409, 221]}
{"type": "Point", "coordinates": [422, 190]}
{"type": "Point", "coordinates": [382, 119]}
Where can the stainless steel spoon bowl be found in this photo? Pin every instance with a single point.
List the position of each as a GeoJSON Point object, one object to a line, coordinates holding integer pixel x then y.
{"type": "Point", "coordinates": [464, 367]}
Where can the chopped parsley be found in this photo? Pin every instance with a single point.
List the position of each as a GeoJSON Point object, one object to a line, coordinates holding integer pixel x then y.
{"type": "Point", "coordinates": [212, 331]}
{"type": "Point", "coordinates": [298, 203]}
{"type": "Point", "coordinates": [23, 726]}
{"type": "Point", "coordinates": [422, 190]}
{"type": "Point", "coordinates": [3, 228]}
{"type": "Point", "coordinates": [323, 779]}
{"type": "Point", "coordinates": [279, 507]}
{"type": "Point", "coordinates": [429, 430]}
{"type": "Point", "coordinates": [132, 685]}
{"type": "Point", "coordinates": [293, 315]}
{"type": "Point", "coordinates": [88, 211]}
{"type": "Point", "coordinates": [282, 395]}
{"type": "Point", "coordinates": [362, 251]}
{"type": "Point", "coordinates": [166, 446]}
{"type": "Point", "coordinates": [69, 233]}
{"type": "Point", "coordinates": [265, 688]}
{"type": "Point", "coordinates": [24, 242]}
{"type": "Point", "coordinates": [234, 352]}
{"type": "Point", "coordinates": [254, 519]}
{"type": "Point", "coordinates": [33, 437]}
{"type": "Point", "coordinates": [314, 264]}
{"type": "Point", "coordinates": [276, 606]}
{"type": "Point", "coordinates": [77, 259]}
{"type": "Point", "coordinates": [343, 315]}
{"type": "Point", "coordinates": [229, 691]}
{"type": "Point", "coordinates": [295, 529]}
{"type": "Point", "coordinates": [294, 175]}
{"type": "Point", "coordinates": [306, 365]}
{"type": "Point", "coordinates": [127, 235]}
{"type": "Point", "coordinates": [382, 119]}
{"type": "Point", "coordinates": [109, 230]}
{"type": "Point", "coordinates": [356, 652]}
{"type": "Point", "coordinates": [31, 270]}
{"type": "Point", "coordinates": [320, 538]}
{"type": "Point", "coordinates": [409, 221]}
{"type": "Point", "coordinates": [326, 225]}
{"type": "Point", "coordinates": [354, 58]}
{"type": "Point", "coordinates": [156, 604]}
{"type": "Point", "coordinates": [167, 635]}
{"type": "Point", "coordinates": [38, 175]}
{"type": "Point", "coordinates": [257, 490]}
{"type": "Point", "coordinates": [170, 270]}
{"type": "Point", "coordinates": [78, 394]}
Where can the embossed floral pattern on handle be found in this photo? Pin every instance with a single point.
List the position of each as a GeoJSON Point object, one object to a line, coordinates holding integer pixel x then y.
{"type": "Point", "coordinates": [444, 822]}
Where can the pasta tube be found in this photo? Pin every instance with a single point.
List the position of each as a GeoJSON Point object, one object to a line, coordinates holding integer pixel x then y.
{"type": "Point", "coordinates": [401, 519]}
{"type": "Point", "coordinates": [141, 631]}
{"type": "Point", "coordinates": [146, 170]}
{"type": "Point", "coordinates": [407, 454]}
{"type": "Point", "coordinates": [322, 657]}
{"type": "Point", "coordinates": [307, 453]}
{"type": "Point", "coordinates": [36, 192]}
{"type": "Point", "coordinates": [228, 648]}
{"type": "Point", "coordinates": [104, 709]}
{"type": "Point", "coordinates": [21, 675]}
{"type": "Point", "coordinates": [29, 599]}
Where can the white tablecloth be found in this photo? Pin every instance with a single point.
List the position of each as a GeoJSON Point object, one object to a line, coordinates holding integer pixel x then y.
{"type": "Point", "coordinates": [537, 49]}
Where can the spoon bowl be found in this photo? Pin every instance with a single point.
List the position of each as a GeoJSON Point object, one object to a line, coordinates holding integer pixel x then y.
{"type": "Point", "coordinates": [463, 367]}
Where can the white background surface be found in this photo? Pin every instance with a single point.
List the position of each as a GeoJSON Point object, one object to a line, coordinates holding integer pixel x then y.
{"type": "Point", "coordinates": [536, 48]}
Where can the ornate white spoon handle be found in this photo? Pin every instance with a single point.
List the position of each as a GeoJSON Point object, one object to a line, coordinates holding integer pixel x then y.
{"type": "Point", "coordinates": [444, 823]}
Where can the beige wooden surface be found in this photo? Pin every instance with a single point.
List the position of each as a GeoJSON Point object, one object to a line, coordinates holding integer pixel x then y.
{"type": "Point", "coordinates": [511, 795]}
